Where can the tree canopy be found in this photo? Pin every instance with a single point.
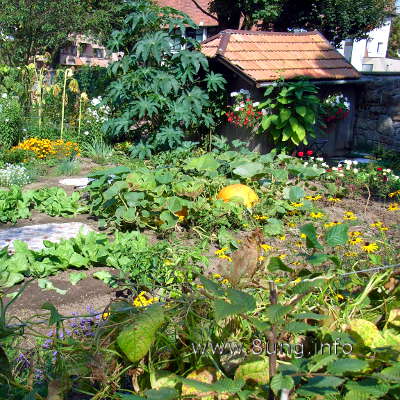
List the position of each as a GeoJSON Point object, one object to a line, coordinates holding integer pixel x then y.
{"type": "Point", "coordinates": [31, 27]}
{"type": "Point", "coordinates": [335, 19]}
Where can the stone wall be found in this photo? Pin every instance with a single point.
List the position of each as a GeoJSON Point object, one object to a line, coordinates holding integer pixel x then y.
{"type": "Point", "coordinates": [378, 112]}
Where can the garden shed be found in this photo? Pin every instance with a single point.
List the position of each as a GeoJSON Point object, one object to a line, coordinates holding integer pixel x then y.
{"type": "Point", "coordinates": [253, 60]}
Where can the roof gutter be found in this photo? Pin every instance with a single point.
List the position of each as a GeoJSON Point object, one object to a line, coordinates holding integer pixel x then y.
{"type": "Point", "coordinates": [326, 82]}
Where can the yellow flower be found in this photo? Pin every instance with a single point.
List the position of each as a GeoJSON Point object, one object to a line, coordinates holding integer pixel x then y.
{"type": "Point", "coordinates": [105, 315]}
{"type": "Point", "coordinates": [376, 224]}
{"type": "Point", "coordinates": [297, 204]}
{"type": "Point", "coordinates": [370, 247]}
{"type": "Point", "coordinates": [277, 280]}
{"type": "Point", "coordinates": [303, 236]}
{"type": "Point", "coordinates": [330, 224]}
{"type": "Point", "coordinates": [216, 276]}
{"type": "Point", "coordinates": [334, 199]}
{"type": "Point", "coordinates": [283, 237]}
{"type": "Point", "coordinates": [383, 228]}
{"type": "Point", "coordinates": [296, 263]}
{"type": "Point", "coordinates": [316, 215]}
{"type": "Point", "coordinates": [351, 254]}
{"type": "Point", "coordinates": [168, 262]}
{"type": "Point", "coordinates": [355, 241]}
{"type": "Point", "coordinates": [299, 244]}
{"type": "Point", "coordinates": [181, 218]}
{"type": "Point", "coordinates": [266, 247]}
{"type": "Point", "coordinates": [296, 280]}
{"type": "Point", "coordinates": [394, 193]}
{"type": "Point", "coordinates": [355, 234]}
{"type": "Point", "coordinates": [199, 286]}
{"type": "Point", "coordinates": [394, 207]}
{"type": "Point", "coordinates": [220, 251]}
{"type": "Point", "coordinates": [225, 281]}
{"type": "Point", "coordinates": [225, 257]}
{"type": "Point", "coordinates": [314, 198]}
{"type": "Point", "coordinates": [282, 256]}
{"type": "Point", "coordinates": [291, 225]}
{"type": "Point", "coordinates": [263, 217]}
{"type": "Point", "coordinates": [261, 258]}
{"type": "Point", "coordinates": [339, 296]}
{"type": "Point", "coordinates": [349, 215]}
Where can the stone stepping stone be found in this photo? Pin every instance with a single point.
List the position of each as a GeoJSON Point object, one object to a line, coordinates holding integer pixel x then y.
{"type": "Point", "coordinates": [34, 235]}
{"type": "Point", "coordinates": [76, 182]}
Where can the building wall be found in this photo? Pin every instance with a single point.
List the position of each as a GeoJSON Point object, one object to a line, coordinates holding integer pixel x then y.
{"type": "Point", "coordinates": [378, 112]}
{"type": "Point", "coordinates": [374, 47]}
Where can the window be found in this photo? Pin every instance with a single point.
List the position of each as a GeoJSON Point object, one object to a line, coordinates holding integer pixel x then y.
{"type": "Point", "coordinates": [197, 34]}
{"type": "Point", "coordinates": [380, 47]}
{"type": "Point", "coordinates": [367, 67]}
{"type": "Point", "coordinates": [99, 53]}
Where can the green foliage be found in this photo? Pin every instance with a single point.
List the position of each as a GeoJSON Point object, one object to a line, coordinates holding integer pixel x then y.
{"type": "Point", "coordinates": [11, 114]}
{"type": "Point", "coordinates": [42, 27]}
{"type": "Point", "coordinates": [16, 204]}
{"type": "Point", "coordinates": [394, 39]}
{"type": "Point", "coordinates": [292, 109]}
{"type": "Point", "coordinates": [158, 90]}
{"type": "Point", "coordinates": [337, 20]}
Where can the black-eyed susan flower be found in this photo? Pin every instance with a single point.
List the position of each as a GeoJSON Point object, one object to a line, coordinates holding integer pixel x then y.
{"type": "Point", "coordinates": [349, 215]}
{"type": "Point", "coordinates": [355, 234]}
{"type": "Point", "coordinates": [220, 251]}
{"type": "Point", "coordinates": [330, 224]}
{"type": "Point", "coordinates": [317, 215]}
{"type": "Point", "coordinates": [370, 247]}
{"type": "Point", "coordinates": [334, 199]}
{"type": "Point", "coordinates": [355, 241]}
{"type": "Point", "coordinates": [297, 205]}
{"type": "Point", "coordinates": [394, 207]}
{"type": "Point", "coordinates": [266, 247]}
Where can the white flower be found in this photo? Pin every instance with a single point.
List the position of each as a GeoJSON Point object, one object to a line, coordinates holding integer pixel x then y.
{"type": "Point", "coordinates": [4, 95]}
{"type": "Point", "coordinates": [257, 103]}
{"type": "Point", "coordinates": [96, 101]}
{"type": "Point", "coordinates": [241, 104]}
{"type": "Point", "coordinates": [324, 165]}
{"type": "Point", "coordinates": [355, 170]}
{"type": "Point", "coordinates": [384, 173]}
{"type": "Point", "coordinates": [348, 162]}
{"type": "Point", "coordinates": [388, 170]}
{"type": "Point", "coordinates": [334, 169]}
{"type": "Point", "coordinates": [86, 133]}
{"type": "Point", "coordinates": [348, 167]}
{"type": "Point", "coordinates": [306, 163]}
{"type": "Point", "coordinates": [264, 111]}
{"type": "Point", "coordinates": [320, 159]}
{"type": "Point", "coordinates": [244, 91]}
{"type": "Point", "coordinates": [234, 94]}
{"type": "Point", "coordinates": [355, 162]}
{"type": "Point", "coordinates": [7, 120]}
{"type": "Point", "coordinates": [341, 174]}
{"type": "Point", "coordinates": [315, 165]}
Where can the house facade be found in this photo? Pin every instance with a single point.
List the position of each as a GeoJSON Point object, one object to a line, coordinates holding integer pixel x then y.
{"type": "Point", "coordinates": [369, 55]}
{"type": "Point", "coordinates": [197, 10]}
{"type": "Point", "coordinates": [82, 50]}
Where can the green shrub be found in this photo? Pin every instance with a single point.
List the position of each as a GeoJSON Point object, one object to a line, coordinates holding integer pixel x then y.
{"type": "Point", "coordinates": [11, 114]}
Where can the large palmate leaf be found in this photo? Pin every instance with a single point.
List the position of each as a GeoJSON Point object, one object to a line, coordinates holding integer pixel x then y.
{"type": "Point", "coordinates": [154, 45]}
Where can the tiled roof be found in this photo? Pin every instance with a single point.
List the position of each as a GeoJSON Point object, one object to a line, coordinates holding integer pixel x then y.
{"type": "Point", "coordinates": [196, 9]}
{"type": "Point", "coordinates": [266, 56]}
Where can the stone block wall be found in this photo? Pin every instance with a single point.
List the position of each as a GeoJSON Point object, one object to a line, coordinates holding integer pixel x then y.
{"type": "Point", "coordinates": [378, 112]}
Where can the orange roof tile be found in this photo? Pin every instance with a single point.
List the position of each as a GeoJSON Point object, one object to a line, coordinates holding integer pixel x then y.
{"type": "Point", "coordinates": [197, 10]}
{"type": "Point", "coordinates": [266, 56]}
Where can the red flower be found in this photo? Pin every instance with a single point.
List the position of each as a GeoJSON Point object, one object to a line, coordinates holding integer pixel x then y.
{"type": "Point", "coordinates": [328, 170]}
{"type": "Point", "coordinates": [379, 169]}
{"type": "Point", "coordinates": [300, 154]}
{"type": "Point", "coordinates": [384, 178]}
{"type": "Point", "coordinates": [310, 152]}
{"type": "Point", "coordinates": [248, 100]}
{"type": "Point", "coordinates": [230, 119]}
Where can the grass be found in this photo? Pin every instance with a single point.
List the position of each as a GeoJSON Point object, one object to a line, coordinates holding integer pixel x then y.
{"type": "Point", "coordinates": [67, 168]}
{"type": "Point", "coordinates": [99, 151]}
